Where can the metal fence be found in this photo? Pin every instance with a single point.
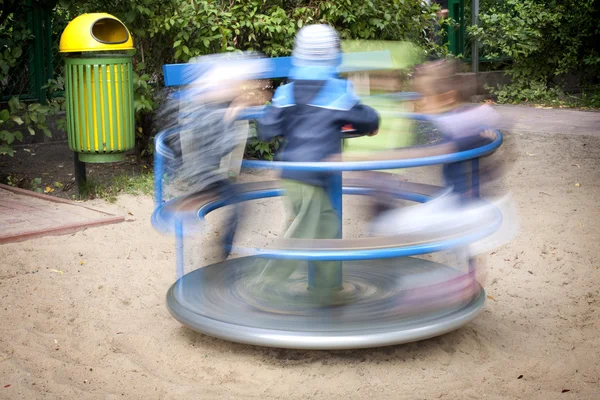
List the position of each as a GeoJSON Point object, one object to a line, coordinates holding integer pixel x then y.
{"type": "Point", "coordinates": [36, 64]}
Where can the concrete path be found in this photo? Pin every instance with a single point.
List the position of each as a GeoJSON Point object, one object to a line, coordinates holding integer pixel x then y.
{"type": "Point", "coordinates": [524, 119]}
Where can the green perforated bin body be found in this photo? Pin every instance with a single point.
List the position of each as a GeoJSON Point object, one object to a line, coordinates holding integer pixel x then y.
{"type": "Point", "coordinates": [100, 110]}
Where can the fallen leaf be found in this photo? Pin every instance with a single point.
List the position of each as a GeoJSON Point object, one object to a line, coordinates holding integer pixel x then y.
{"type": "Point", "coordinates": [58, 185]}
{"type": "Point", "coordinates": [130, 213]}
{"type": "Point", "coordinates": [57, 271]}
{"type": "Point", "coordinates": [48, 189]}
{"type": "Point", "coordinates": [27, 150]}
{"type": "Point", "coordinates": [491, 298]}
{"type": "Point", "coordinates": [81, 262]}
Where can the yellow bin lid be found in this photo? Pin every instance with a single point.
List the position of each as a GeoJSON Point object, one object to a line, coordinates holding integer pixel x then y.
{"type": "Point", "coordinates": [95, 32]}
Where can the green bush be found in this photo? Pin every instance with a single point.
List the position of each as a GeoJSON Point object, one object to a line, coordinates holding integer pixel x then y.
{"type": "Point", "coordinates": [19, 117]}
{"type": "Point", "coordinates": [16, 117]}
{"type": "Point", "coordinates": [172, 31]}
{"type": "Point", "coordinates": [545, 39]}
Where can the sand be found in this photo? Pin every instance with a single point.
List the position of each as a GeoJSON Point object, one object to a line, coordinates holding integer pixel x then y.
{"type": "Point", "coordinates": [83, 316]}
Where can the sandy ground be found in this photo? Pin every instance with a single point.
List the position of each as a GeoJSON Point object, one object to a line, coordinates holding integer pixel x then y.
{"type": "Point", "coordinates": [83, 316]}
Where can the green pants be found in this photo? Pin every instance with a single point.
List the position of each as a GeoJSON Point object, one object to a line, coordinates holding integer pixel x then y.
{"type": "Point", "coordinates": [312, 217]}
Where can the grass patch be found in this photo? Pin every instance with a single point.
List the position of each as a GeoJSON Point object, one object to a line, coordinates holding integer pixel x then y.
{"type": "Point", "coordinates": [121, 184]}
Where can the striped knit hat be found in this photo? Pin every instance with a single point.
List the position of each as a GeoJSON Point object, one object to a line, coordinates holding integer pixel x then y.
{"type": "Point", "coordinates": [316, 53]}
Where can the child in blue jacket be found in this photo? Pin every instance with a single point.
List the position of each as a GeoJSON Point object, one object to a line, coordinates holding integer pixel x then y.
{"type": "Point", "coordinates": [309, 114]}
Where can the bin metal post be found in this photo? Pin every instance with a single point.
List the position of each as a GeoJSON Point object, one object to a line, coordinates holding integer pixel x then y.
{"type": "Point", "coordinates": [79, 170]}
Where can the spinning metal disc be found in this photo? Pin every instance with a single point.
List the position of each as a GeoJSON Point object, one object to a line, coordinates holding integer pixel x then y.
{"type": "Point", "coordinates": [382, 302]}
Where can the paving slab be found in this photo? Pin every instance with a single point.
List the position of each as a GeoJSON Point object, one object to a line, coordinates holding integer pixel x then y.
{"type": "Point", "coordinates": [26, 215]}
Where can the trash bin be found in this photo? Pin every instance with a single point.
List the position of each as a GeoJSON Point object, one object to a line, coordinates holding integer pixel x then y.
{"type": "Point", "coordinates": [99, 87]}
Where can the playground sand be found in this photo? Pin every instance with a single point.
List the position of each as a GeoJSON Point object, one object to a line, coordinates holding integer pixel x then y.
{"type": "Point", "coordinates": [83, 316]}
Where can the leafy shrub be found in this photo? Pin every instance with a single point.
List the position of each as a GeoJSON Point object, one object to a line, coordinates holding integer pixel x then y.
{"type": "Point", "coordinates": [545, 39]}
{"type": "Point", "coordinates": [172, 31]}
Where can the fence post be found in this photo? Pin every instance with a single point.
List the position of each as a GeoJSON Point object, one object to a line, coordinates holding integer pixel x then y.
{"type": "Point", "coordinates": [474, 45]}
{"type": "Point", "coordinates": [456, 37]}
{"type": "Point", "coordinates": [38, 55]}
{"type": "Point", "coordinates": [49, 58]}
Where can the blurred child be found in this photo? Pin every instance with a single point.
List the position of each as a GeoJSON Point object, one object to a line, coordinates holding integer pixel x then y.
{"type": "Point", "coordinates": [208, 142]}
{"type": "Point", "coordinates": [463, 128]}
{"type": "Point", "coordinates": [309, 113]}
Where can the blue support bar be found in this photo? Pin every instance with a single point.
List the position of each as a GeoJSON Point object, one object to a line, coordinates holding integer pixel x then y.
{"type": "Point", "coordinates": [475, 178]}
{"type": "Point", "coordinates": [334, 192]}
{"type": "Point", "coordinates": [203, 211]}
{"type": "Point", "coordinates": [184, 74]}
{"type": "Point", "coordinates": [377, 165]}
{"type": "Point", "coordinates": [258, 111]}
{"type": "Point", "coordinates": [179, 248]}
{"type": "Point", "coordinates": [279, 67]}
{"type": "Point", "coordinates": [381, 253]}
{"type": "Point", "coordinates": [158, 173]}
{"type": "Point", "coordinates": [475, 195]}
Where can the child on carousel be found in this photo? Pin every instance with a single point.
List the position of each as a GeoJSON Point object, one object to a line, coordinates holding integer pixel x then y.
{"type": "Point", "coordinates": [309, 113]}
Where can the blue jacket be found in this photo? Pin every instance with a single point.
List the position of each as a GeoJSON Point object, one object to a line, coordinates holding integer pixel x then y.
{"type": "Point", "coordinates": [309, 115]}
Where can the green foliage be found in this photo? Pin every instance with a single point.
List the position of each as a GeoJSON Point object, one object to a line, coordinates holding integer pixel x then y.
{"type": "Point", "coordinates": [13, 37]}
{"type": "Point", "coordinates": [545, 39]}
{"type": "Point", "coordinates": [591, 99]}
{"type": "Point", "coordinates": [171, 31]}
{"type": "Point", "coordinates": [36, 185]}
{"type": "Point", "coordinates": [534, 91]}
{"type": "Point", "coordinates": [256, 148]}
{"type": "Point", "coordinates": [262, 150]}
{"type": "Point", "coordinates": [19, 118]}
